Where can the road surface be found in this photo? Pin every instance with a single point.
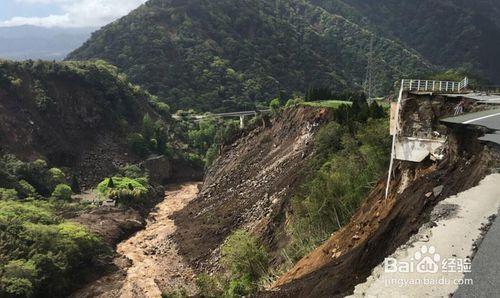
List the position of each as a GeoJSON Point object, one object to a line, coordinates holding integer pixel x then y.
{"type": "Point", "coordinates": [485, 268]}
{"type": "Point", "coordinates": [486, 263]}
{"type": "Point", "coordinates": [489, 119]}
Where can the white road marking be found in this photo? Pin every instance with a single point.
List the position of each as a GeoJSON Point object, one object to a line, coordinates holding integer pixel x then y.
{"type": "Point", "coordinates": [481, 118]}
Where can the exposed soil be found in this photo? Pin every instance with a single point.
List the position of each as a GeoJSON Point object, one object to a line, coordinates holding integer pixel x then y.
{"type": "Point", "coordinates": [382, 225]}
{"type": "Point", "coordinates": [111, 224]}
{"type": "Point", "coordinates": [452, 233]}
{"type": "Point", "coordinates": [378, 228]}
{"type": "Point", "coordinates": [148, 263]}
{"type": "Point", "coordinates": [248, 187]}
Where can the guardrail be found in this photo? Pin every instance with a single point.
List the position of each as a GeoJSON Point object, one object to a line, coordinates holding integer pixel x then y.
{"type": "Point", "coordinates": [434, 86]}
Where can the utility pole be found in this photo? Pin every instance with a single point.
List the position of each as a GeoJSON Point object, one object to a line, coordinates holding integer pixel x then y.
{"type": "Point", "coordinates": [369, 83]}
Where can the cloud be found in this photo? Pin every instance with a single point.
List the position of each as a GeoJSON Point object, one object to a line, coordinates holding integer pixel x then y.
{"type": "Point", "coordinates": [77, 13]}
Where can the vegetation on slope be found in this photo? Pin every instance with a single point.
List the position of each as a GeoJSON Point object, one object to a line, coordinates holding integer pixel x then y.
{"type": "Point", "coordinates": [351, 152]}
{"type": "Point", "coordinates": [232, 55]}
{"type": "Point", "coordinates": [85, 116]}
{"type": "Point", "coordinates": [452, 34]}
{"type": "Point", "coordinates": [41, 254]}
{"type": "Point", "coordinates": [351, 159]}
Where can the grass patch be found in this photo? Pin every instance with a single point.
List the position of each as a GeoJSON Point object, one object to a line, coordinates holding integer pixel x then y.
{"type": "Point", "coordinates": [327, 103]}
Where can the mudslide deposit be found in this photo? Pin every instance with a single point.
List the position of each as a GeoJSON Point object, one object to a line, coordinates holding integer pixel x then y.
{"type": "Point", "coordinates": [148, 263]}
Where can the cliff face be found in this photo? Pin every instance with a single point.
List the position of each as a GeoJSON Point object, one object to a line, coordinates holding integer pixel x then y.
{"type": "Point", "coordinates": [248, 186]}
{"type": "Point", "coordinates": [77, 115]}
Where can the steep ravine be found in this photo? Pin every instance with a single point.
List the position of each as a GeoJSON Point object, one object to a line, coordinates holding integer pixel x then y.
{"type": "Point", "coordinates": [148, 263]}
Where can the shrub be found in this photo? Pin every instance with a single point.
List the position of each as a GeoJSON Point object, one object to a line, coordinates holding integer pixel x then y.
{"type": "Point", "coordinates": [57, 176]}
{"type": "Point", "coordinates": [243, 255]}
{"type": "Point", "coordinates": [275, 106]}
{"type": "Point", "coordinates": [18, 277]}
{"type": "Point", "coordinates": [348, 163]}
{"type": "Point", "coordinates": [43, 255]}
{"type": "Point", "coordinates": [241, 287]}
{"type": "Point", "coordinates": [328, 138]}
{"type": "Point", "coordinates": [8, 194]}
{"type": "Point", "coordinates": [194, 160]}
{"type": "Point", "coordinates": [26, 189]}
{"type": "Point", "coordinates": [209, 286]}
{"type": "Point", "coordinates": [138, 144]}
{"type": "Point", "coordinates": [133, 171]}
{"type": "Point", "coordinates": [124, 190]}
{"type": "Point", "coordinates": [211, 155]}
{"type": "Point", "coordinates": [294, 102]}
{"type": "Point", "coordinates": [62, 192]}
{"type": "Point", "coordinates": [148, 127]}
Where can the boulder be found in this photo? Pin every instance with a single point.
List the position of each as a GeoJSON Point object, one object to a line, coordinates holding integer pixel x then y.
{"type": "Point", "coordinates": [159, 168]}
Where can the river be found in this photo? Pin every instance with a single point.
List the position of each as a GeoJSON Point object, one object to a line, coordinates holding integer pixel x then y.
{"type": "Point", "coordinates": [148, 263]}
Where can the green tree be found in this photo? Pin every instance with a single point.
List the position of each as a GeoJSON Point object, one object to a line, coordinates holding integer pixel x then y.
{"type": "Point", "coordinates": [275, 106]}
{"type": "Point", "coordinates": [138, 144]}
{"type": "Point", "coordinates": [62, 192]}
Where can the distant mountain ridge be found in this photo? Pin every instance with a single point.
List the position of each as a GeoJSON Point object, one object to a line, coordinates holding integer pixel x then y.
{"type": "Point", "coordinates": [228, 55]}
{"type": "Point", "coordinates": [32, 42]}
{"type": "Point", "coordinates": [452, 33]}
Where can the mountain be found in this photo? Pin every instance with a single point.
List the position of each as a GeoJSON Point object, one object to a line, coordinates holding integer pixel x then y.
{"type": "Point", "coordinates": [32, 42]}
{"type": "Point", "coordinates": [452, 33]}
{"type": "Point", "coordinates": [229, 55]}
{"type": "Point", "coordinates": [75, 115]}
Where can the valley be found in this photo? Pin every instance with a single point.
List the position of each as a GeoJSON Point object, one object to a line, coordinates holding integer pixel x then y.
{"type": "Point", "coordinates": [148, 262]}
{"type": "Point", "coordinates": [288, 148]}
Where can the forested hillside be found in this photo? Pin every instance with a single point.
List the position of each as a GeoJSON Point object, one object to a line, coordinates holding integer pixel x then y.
{"type": "Point", "coordinates": [454, 33]}
{"type": "Point", "coordinates": [65, 127]}
{"type": "Point", "coordinates": [77, 115]}
{"type": "Point", "coordinates": [229, 55]}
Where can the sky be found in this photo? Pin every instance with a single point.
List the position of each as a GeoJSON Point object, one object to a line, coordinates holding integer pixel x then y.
{"type": "Point", "coordinates": [64, 13]}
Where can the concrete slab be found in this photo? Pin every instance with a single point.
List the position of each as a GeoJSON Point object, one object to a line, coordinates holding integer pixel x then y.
{"type": "Point", "coordinates": [416, 150]}
{"type": "Point", "coordinates": [484, 268]}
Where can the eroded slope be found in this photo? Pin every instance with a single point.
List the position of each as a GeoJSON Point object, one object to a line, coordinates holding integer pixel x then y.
{"type": "Point", "coordinates": [248, 185]}
{"type": "Point", "coordinates": [381, 225]}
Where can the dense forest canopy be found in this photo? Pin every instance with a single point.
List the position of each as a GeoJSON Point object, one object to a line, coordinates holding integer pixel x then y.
{"type": "Point", "coordinates": [230, 55]}
{"type": "Point", "coordinates": [455, 33]}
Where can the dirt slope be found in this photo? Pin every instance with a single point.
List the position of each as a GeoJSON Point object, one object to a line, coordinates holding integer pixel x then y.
{"type": "Point", "coordinates": [380, 225]}
{"type": "Point", "coordinates": [248, 186]}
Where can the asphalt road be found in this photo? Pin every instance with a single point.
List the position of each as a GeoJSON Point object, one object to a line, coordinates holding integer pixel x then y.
{"type": "Point", "coordinates": [485, 268]}
{"type": "Point", "coordinates": [490, 119]}
{"type": "Point", "coordinates": [486, 264]}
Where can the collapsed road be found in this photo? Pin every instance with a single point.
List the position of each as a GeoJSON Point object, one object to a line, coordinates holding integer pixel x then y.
{"type": "Point", "coordinates": [443, 194]}
{"type": "Point", "coordinates": [489, 119]}
{"type": "Point", "coordinates": [459, 230]}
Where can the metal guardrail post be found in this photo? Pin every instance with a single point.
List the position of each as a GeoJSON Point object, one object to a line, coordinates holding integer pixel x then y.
{"type": "Point", "coordinates": [394, 139]}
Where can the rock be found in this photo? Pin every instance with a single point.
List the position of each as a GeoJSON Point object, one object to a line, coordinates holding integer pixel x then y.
{"type": "Point", "coordinates": [132, 224]}
{"type": "Point", "coordinates": [428, 195]}
{"type": "Point", "coordinates": [159, 168]}
{"type": "Point", "coordinates": [438, 190]}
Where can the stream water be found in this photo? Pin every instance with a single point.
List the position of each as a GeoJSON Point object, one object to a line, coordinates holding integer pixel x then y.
{"type": "Point", "coordinates": [149, 263]}
{"type": "Point", "coordinates": [156, 264]}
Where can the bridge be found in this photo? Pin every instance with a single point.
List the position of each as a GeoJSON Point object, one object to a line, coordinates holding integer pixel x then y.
{"type": "Point", "coordinates": [240, 114]}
